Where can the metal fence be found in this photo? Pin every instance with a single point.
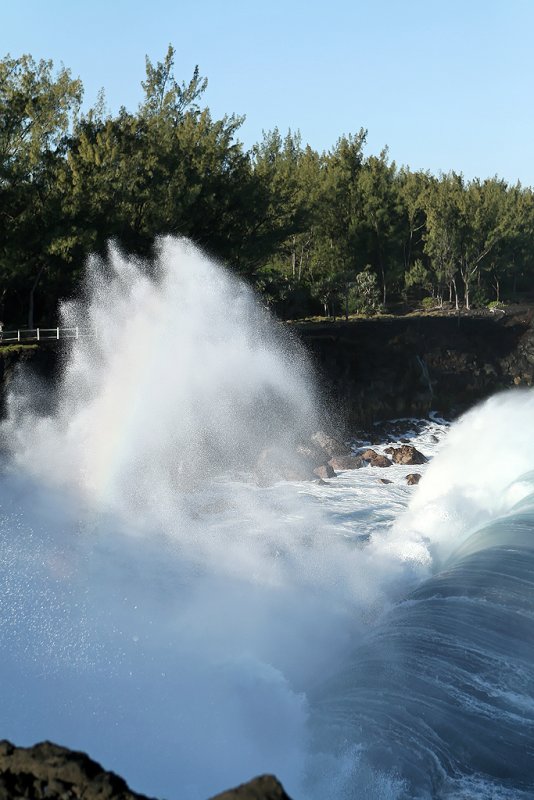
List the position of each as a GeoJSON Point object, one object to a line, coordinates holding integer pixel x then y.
{"type": "Point", "coordinates": [24, 335]}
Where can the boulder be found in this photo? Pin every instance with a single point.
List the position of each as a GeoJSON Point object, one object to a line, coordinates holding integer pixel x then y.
{"type": "Point", "coordinates": [380, 461]}
{"type": "Point", "coordinates": [329, 444]}
{"type": "Point", "coordinates": [266, 787]}
{"type": "Point", "coordinates": [274, 464]}
{"type": "Point", "coordinates": [375, 459]}
{"type": "Point", "coordinates": [311, 454]}
{"type": "Point", "coordinates": [407, 454]}
{"type": "Point", "coordinates": [324, 471]}
{"type": "Point", "coordinates": [346, 462]}
{"type": "Point", "coordinates": [368, 455]}
{"type": "Point", "coordinates": [413, 478]}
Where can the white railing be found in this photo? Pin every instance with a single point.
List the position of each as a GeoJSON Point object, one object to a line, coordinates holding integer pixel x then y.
{"type": "Point", "coordinates": [43, 334]}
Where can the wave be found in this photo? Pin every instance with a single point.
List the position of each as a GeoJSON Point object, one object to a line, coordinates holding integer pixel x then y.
{"type": "Point", "coordinates": [440, 694]}
{"type": "Point", "coordinates": [190, 628]}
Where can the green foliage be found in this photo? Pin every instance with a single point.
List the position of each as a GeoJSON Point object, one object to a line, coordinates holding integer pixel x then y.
{"type": "Point", "coordinates": [364, 295]}
{"type": "Point", "coordinates": [37, 109]}
{"type": "Point", "coordinates": [335, 233]}
{"type": "Point", "coordinates": [428, 303]}
{"type": "Point", "coordinates": [478, 297]}
{"type": "Point", "coordinates": [418, 275]}
{"type": "Point", "coordinates": [165, 98]}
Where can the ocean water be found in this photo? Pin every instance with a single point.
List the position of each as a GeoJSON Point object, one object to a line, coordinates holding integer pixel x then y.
{"type": "Point", "coordinates": [190, 628]}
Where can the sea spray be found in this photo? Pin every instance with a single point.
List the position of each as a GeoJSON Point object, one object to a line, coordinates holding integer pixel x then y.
{"type": "Point", "coordinates": [186, 626]}
{"type": "Point", "coordinates": [185, 374]}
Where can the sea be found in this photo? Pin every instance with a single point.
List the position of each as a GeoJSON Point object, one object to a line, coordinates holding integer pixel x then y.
{"type": "Point", "coordinates": [191, 627]}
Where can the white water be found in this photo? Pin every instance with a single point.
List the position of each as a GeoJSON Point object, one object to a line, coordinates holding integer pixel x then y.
{"type": "Point", "coordinates": [183, 625]}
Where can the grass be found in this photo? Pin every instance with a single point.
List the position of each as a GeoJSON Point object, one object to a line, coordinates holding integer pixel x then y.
{"type": "Point", "coordinates": [17, 348]}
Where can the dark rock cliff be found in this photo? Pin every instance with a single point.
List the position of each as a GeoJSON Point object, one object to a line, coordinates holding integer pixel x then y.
{"type": "Point", "coordinates": [379, 369]}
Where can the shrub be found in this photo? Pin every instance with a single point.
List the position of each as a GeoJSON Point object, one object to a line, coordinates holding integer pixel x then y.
{"type": "Point", "coordinates": [428, 303]}
{"type": "Point", "coordinates": [478, 297]}
{"type": "Point", "coordinates": [364, 294]}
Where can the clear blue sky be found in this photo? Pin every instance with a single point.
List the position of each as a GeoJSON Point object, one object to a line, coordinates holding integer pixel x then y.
{"type": "Point", "coordinates": [446, 85]}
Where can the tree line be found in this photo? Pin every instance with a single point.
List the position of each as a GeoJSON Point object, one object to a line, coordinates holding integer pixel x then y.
{"type": "Point", "coordinates": [331, 233]}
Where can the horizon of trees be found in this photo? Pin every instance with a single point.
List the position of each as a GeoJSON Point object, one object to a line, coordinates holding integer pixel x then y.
{"type": "Point", "coordinates": [331, 233]}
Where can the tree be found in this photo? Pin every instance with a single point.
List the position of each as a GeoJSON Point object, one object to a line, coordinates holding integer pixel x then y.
{"type": "Point", "coordinates": [443, 235]}
{"type": "Point", "coordinates": [413, 188]}
{"type": "Point", "coordinates": [482, 209]}
{"type": "Point", "coordinates": [381, 214]}
{"type": "Point", "coordinates": [37, 108]}
{"type": "Point", "coordinates": [166, 99]}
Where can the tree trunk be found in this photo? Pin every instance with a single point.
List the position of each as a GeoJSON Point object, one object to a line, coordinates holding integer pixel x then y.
{"type": "Point", "coordinates": [456, 304]}
{"type": "Point", "coordinates": [31, 305]}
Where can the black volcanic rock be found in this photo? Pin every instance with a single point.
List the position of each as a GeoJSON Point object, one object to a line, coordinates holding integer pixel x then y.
{"type": "Point", "coordinates": [49, 772]}
{"type": "Point", "coordinates": [266, 787]}
{"type": "Point", "coordinates": [386, 368]}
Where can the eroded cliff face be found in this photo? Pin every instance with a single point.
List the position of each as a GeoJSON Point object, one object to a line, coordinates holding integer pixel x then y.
{"type": "Point", "coordinates": [378, 369]}
{"type": "Point", "coordinates": [381, 369]}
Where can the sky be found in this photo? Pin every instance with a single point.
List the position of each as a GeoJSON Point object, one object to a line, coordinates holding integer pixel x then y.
{"type": "Point", "coordinates": [445, 85]}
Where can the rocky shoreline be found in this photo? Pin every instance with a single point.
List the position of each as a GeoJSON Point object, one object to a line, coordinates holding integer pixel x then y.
{"type": "Point", "coordinates": [370, 370]}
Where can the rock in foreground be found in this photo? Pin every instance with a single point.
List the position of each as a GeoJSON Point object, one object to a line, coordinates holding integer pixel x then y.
{"type": "Point", "coordinates": [55, 773]}
{"type": "Point", "coordinates": [47, 771]}
{"type": "Point", "coordinates": [266, 787]}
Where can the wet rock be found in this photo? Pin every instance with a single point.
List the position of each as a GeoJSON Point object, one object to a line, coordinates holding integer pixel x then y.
{"type": "Point", "coordinates": [346, 462]}
{"type": "Point", "coordinates": [311, 454]}
{"type": "Point", "coordinates": [380, 461]}
{"type": "Point", "coordinates": [266, 787]}
{"type": "Point", "coordinates": [375, 459]}
{"type": "Point", "coordinates": [274, 464]}
{"type": "Point", "coordinates": [407, 454]}
{"type": "Point", "coordinates": [368, 454]}
{"type": "Point", "coordinates": [55, 773]}
{"type": "Point", "coordinates": [329, 444]}
{"type": "Point", "coordinates": [413, 478]}
{"type": "Point", "coordinates": [384, 480]}
{"type": "Point", "coordinates": [324, 471]}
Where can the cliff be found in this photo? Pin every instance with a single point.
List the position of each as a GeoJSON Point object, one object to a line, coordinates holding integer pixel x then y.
{"type": "Point", "coordinates": [385, 368]}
